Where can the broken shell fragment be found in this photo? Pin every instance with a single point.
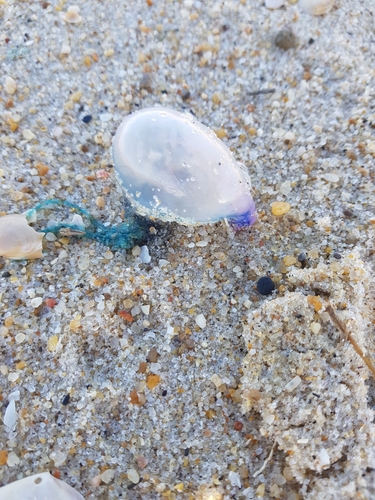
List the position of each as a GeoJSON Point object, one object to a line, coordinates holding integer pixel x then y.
{"type": "Point", "coordinates": [18, 240]}
{"type": "Point", "coordinates": [274, 4]}
{"type": "Point", "coordinates": [173, 168]}
{"type": "Point", "coordinates": [39, 487]}
{"type": "Point", "coordinates": [316, 7]}
{"type": "Point", "coordinates": [72, 15]}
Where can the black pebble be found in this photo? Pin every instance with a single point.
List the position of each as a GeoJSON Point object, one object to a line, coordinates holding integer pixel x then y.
{"type": "Point", "coordinates": [311, 41]}
{"type": "Point", "coordinates": [65, 400]}
{"type": "Point", "coordinates": [87, 119]}
{"type": "Point", "coordinates": [302, 257]}
{"type": "Point", "coordinates": [164, 393]}
{"type": "Point", "coordinates": [186, 452]}
{"type": "Point", "coordinates": [185, 95]}
{"type": "Point", "coordinates": [337, 256]}
{"type": "Point", "coordinates": [265, 285]}
{"type": "Point", "coordinates": [6, 275]}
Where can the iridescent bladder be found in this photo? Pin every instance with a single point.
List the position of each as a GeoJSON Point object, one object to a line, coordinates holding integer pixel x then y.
{"type": "Point", "coordinates": [173, 168]}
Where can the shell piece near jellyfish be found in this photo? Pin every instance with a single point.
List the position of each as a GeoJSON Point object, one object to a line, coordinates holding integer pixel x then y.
{"type": "Point", "coordinates": [39, 487]}
{"type": "Point", "coordinates": [316, 7]}
{"type": "Point", "coordinates": [173, 168]}
{"type": "Point", "coordinates": [18, 240]}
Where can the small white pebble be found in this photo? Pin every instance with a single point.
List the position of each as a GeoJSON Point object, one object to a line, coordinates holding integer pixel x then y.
{"type": "Point", "coordinates": [236, 269]}
{"type": "Point", "coordinates": [285, 188]}
{"type": "Point", "coordinates": [315, 327]}
{"type": "Point", "coordinates": [145, 255]}
{"type": "Point", "coordinates": [63, 255]}
{"type": "Point", "coordinates": [36, 302]}
{"type": "Point", "coordinates": [247, 304]}
{"type": "Point", "coordinates": [289, 136]}
{"type": "Point", "coordinates": [133, 476]}
{"type": "Point", "coordinates": [136, 251]}
{"type": "Point", "coordinates": [325, 317]}
{"type": "Point", "coordinates": [4, 331]}
{"type": "Point", "coordinates": [95, 481]}
{"type": "Point", "coordinates": [50, 237]}
{"type": "Point", "coordinates": [318, 129]}
{"type": "Point", "coordinates": [10, 85]}
{"type": "Point", "coordinates": [201, 243]}
{"type": "Point", "coordinates": [10, 416]}
{"type": "Point", "coordinates": [13, 376]}
{"type": "Point", "coordinates": [28, 135]}
{"type": "Point", "coordinates": [216, 380]}
{"type": "Point", "coordinates": [293, 384]}
{"type": "Point", "coordinates": [234, 478]}
{"type": "Point", "coordinates": [107, 476]}
{"type": "Point", "coordinates": [323, 457]}
{"type": "Point", "coordinates": [72, 15]}
{"type": "Point", "coordinates": [57, 132]}
{"type": "Point", "coordinates": [20, 337]}
{"type": "Point", "coordinates": [77, 220]}
{"type": "Point", "coordinates": [331, 177]}
{"type": "Point", "coordinates": [302, 441]}
{"type": "Point", "coordinates": [145, 310]}
{"type": "Point", "coordinates": [275, 491]}
{"type": "Point", "coordinates": [12, 459]}
{"type": "Point", "coordinates": [268, 418]}
{"type": "Point", "coordinates": [135, 311]}
{"type": "Point", "coordinates": [4, 370]}
{"type": "Point", "coordinates": [59, 457]}
{"type": "Point", "coordinates": [106, 117]}
{"type": "Point", "coordinates": [84, 263]}
{"type": "Point", "coordinates": [201, 321]}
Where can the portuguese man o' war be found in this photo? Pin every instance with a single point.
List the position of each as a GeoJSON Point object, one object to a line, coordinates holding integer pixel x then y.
{"type": "Point", "coordinates": [173, 168]}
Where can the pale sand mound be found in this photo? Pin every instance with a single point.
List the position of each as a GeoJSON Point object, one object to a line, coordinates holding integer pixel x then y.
{"type": "Point", "coordinates": [324, 424]}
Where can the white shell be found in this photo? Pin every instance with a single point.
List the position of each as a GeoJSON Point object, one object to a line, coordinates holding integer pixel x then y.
{"type": "Point", "coordinates": [174, 168]}
{"type": "Point", "coordinates": [316, 7]}
{"type": "Point", "coordinates": [18, 240]}
{"type": "Point", "coordinates": [274, 4]}
{"type": "Point", "coordinates": [39, 487]}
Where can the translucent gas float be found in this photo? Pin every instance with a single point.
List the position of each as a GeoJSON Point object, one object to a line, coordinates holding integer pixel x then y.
{"type": "Point", "coordinates": [173, 168]}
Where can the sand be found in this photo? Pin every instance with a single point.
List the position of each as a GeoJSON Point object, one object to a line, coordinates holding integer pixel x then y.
{"type": "Point", "coordinates": [181, 377]}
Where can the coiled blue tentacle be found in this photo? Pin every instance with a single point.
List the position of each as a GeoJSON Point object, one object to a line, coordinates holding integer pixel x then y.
{"type": "Point", "coordinates": [125, 235]}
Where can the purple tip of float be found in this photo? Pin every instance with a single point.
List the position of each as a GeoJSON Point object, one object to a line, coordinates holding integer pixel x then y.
{"type": "Point", "coordinates": [245, 220]}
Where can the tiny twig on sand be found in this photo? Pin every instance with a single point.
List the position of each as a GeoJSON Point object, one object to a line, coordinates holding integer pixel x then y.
{"type": "Point", "coordinates": [347, 336]}
{"type": "Point", "coordinates": [265, 462]}
{"type": "Point", "coordinates": [262, 91]}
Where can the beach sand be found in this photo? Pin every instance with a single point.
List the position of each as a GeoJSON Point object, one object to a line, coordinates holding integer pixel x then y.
{"type": "Point", "coordinates": [158, 406]}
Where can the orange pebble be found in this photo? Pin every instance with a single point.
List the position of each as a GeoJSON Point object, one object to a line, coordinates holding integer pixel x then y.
{"type": "Point", "coordinates": [152, 381]}
{"type": "Point", "coordinates": [3, 457]}
{"type": "Point", "coordinates": [126, 316]}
